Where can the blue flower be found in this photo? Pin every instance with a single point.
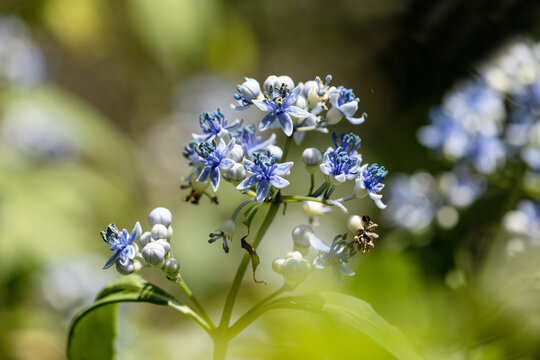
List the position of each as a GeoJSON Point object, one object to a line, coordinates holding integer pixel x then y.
{"type": "Point", "coordinates": [370, 180]}
{"type": "Point", "coordinates": [245, 136]}
{"type": "Point", "coordinates": [121, 244]}
{"type": "Point", "coordinates": [213, 158]}
{"type": "Point", "coordinates": [280, 105]}
{"type": "Point", "coordinates": [214, 124]}
{"type": "Point", "coordinates": [344, 103]}
{"type": "Point", "coordinates": [247, 92]}
{"type": "Point", "coordinates": [340, 165]}
{"type": "Point", "coordinates": [336, 255]}
{"type": "Point", "coordinates": [265, 172]}
{"type": "Point", "coordinates": [486, 153]}
{"type": "Point", "coordinates": [347, 141]}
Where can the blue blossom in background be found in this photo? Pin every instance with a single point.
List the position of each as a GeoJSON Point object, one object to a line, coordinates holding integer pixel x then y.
{"type": "Point", "coordinates": [487, 153]}
{"type": "Point", "coordinates": [281, 106]}
{"type": "Point", "coordinates": [460, 188]}
{"type": "Point", "coordinates": [245, 136]}
{"type": "Point", "coordinates": [247, 92]}
{"type": "Point", "coordinates": [213, 158]}
{"type": "Point", "coordinates": [524, 221]}
{"type": "Point", "coordinates": [121, 244]}
{"type": "Point", "coordinates": [370, 181]}
{"type": "Point", "coordinates": [336, 255]}
{"type": "Point", "coordinates": [265, 172]}
{"type": "Point", "coordinates": [214, 124]}
{"type": "Point", "coordinates": [347, 141]}
{"type": "Point", "coordinates": [344, 103]}
{"type": "Point", "coordinates": [339, 165]}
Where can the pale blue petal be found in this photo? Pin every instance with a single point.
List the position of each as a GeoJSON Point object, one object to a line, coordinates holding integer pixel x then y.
{"type": "Point", "coordinates": [248, 183]}
{"type": "Point", "coordinates": [297, 112]}
{"type": "Point", "coordinates": [215, 178]}
{"type": "Point", "coordinates": [293, 97]}
{"type": "Point", "coordinates": [357, 121]}
{"type": "Point", "coordinates": [320, 262]}
{"type": "Point", "coordinates": [112, 259]}
{"type": "Point", "coordinates": [319, 244]}
{"type": "Point", "coordinates": [262, 190]}
{"type": "Point", "coordinates": [345, 269]}
{"type": "Point", "coordinates": [349, 109]}
{"type": "Point", "coordinates": [281, 169]}
{"type": "Point", "coordinates": [204, 174]}
{"type": "Point", "coordinates": [286, 123]}
{"type": "Point", "coordinates": [266, 121]}
{"type": "Point", "coordinates": [136, 233]}
{"type": "Point", "coordinates": [278, 182]}
{"type": "Point", "coordinates": [263, 105]}
{"type": "Point", "coordinates": [226, 163]}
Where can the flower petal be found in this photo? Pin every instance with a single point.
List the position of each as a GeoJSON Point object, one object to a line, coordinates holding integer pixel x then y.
{"type": "Point", "coordinates": [357, 121]}
{"type": "Point", "coordinates": [112, 259]}
{"type": "Point", "coordinates": [215, 178]}
{"type": "Point", "coordinates": [263, 105]}
{"type": "Point", "coordinates": [278, 182]}
{"type": "Point", "coordinates": [349, 109]}
{"type": "Point", "coordinates": [262, 190]}
{"type": "Point", "coordinates": [318, 244]}
{"type": "Point", "coordinates": [283, 168]}
{"type": "Point", "coordinates": [286, 123]}
{"type": "Point", "coordinates": [204, 174]}
{"type": "Point", "coordinates": [226, 163]}
{"type": "Point", "coordinates": [248, 183]}
{"type": "Point", "coordinates": [292, 97]}
{"type": "Point", "coordinates": [267, 121]}
{"type": "Point", "coordinates": [136, 233]}
{"type": "Point", "coordinates": [297, 112]}
{"type": "Point", "coordinates": [320, 262]}
{"type": "Point", "coordinates": [345, 269]}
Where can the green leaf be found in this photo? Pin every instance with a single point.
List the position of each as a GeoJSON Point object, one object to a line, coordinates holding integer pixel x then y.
{"type": "Point", "coordinates": [131, 288]}
{"type": "Point", "coordinates": [351, 311]}
{"type": "Point", "coordinates": [361, 315]}
{"type": "Point", "coordinates": [255, 261]}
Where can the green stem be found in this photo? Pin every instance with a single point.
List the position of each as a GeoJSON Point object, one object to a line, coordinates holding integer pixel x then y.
{"type": "Point", "coordinates": [312, 184]}
{"type": "Point", "coordinates": [235, 287]}
{"type": "Point", "coordinates": [220, 347]}
{"type": "Point", "coordinates": [196, 302]}
{"type": "Point", "coordinates": [251, 315]}
{"type": "Point", "coordinates": [244, 203]}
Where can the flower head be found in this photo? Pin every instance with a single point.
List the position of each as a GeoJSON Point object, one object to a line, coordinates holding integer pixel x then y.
{"type": "Point", "coordinates": [213, 158]}
{"type": "Point", "coordinates": [247, 92]}
{"type": "Point", "coordinates": [245, 136]}
{"type": "Point", "coordinates": [336, 255]}
{"type": "Point", "coordinates": [265, 172]}
{"type": "Point", "coordinates": [121, 244]}
{"type": "Point", "coordinates": [214, 124]}
{"type": "Point", "coordinates": [340, 165]}
{"type": "Point", "coordinates": [280, 105]}
{"type": "Point", "coordinates": [344, 103]}
{"type": "Point", "coordinates": [347, 141]}
{"type": "Point", "coordinates": [370, 180]}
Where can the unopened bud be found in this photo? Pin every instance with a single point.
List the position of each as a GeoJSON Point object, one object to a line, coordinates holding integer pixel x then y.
{"type": "Point", "coordinates": [276, 151]}
{"type": "Point", "coordinates": [237, 172]}
{"type": "Point", "coordinates": [153, 253]}
{"type": "Point", "coordinates": [312, 157]}
{"type": "Point", "coordinates": [145, 238]}
{"type": "Point", "coordinates": [228, 227]}
{"type": "Point", "coordinates": [237, 153]}
{"type": "Point", "coordinates": [250, 89]}
{"type": "Point", "coordinates": [160, 215]}
{"type": "Point", "coordinates": [171, 268]}
{"type": "Point", "coordinates": [301, 235]}
{"type": "Point", "coordinates": [354, 223]}
{"type": "Point", "coordinates": [165, 244]}
{"type": "Point", "coordinates": [159, 232]}
{"type": "Point", "coordinates": [295, 269]}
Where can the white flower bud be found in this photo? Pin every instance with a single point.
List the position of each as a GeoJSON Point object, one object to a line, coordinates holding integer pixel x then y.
{"type": "Point", "coordinates": [277, 265]}
{"type": "Point", "coordinates": [276, 151]}
{"type": "Point", "coordinates": [301, 236]}
{"type": "Point", "coordinates": [159, 232]}
{"type": "Point", "coordinates": [200, 186]}
{"type": "Point", "coordinates": [228, 227]}
{"type": "Point", "coordinates": [237, 172]}
{"type": "Point", "coordinates": [315, 208]}
{"type": "Point", "coordinates": [153, 253]}
{"type": "Point", "coordinates": [145, 238]}
{"type": "Point", "coordinates": [132, 267]}
{"type": "Point", "coordinates": [311, 156]}
{"type": "Point", "coordinates": [237, 153]}
{"type": "Point", "coordinates": [250, 89]}
{"type": "Point", "coordinates": [334, 116]}
{"type": "Point", "coordinates": [306, 88]}
{"type": "Point", "coordinates": [169, 232]}
{"type": "Point", "coordinates": [295, 269]}
{"type": "Point", "coordinates": [301, 102]}
{"type": "Point", "coordinates": [165, 244]}
{"type": "Point", "coordinates": [160, 215]}
{"type": "Point", "coordinates": [271, 82]}
{"type": "Point", "coordinates": [354, 223]}
{"type": "Point", "coordinates": [171, 267]}
{"type": "Point", "coordinates": [284, 79]}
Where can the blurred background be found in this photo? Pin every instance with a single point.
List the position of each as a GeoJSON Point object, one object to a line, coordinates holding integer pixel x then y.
{"type": "Point", "coordinates": [97, 99]}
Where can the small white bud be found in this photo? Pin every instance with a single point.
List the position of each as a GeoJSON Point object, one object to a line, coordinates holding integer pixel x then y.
{"type": "Point", "coordinates": [237, 153]}
{"type": "Point", "coordinates": [159, 232]}
{"type": "Point", "coordinates": [301, 235]}
{"type": "Point", "coordinates": [315, 208]}
{"type": "Point", "coordinates": [311, 156]}
{"type": "Point", "coordinates": [334, 116]}
{"type": "Point", "coordinates": [284, 79]}
{"type": "Point", "coordinates": [276, 151]}
{"type": "Point", "coordinates": [301, 102]}
{"type": "Point", "coordinates": [145, 238]}
{"type": "Point", "coordinates": [160, 215]}
{"type": "Point", "coordinates": [169, 232]}
{"type": "Point", "coordinates": [250, 89]}
{"type": "Point", "coordinates": [132, 267]}
{"type": "Point", "coordinates": [171, 267]}
{"type": "Point", "coordinates": [228, 227]}
{"type": "Point", "coordinates": [237, 172]}
{"type": "Point", "coordinates": [295, 269]}
{"type": "Point", "coordinates": [165, 244]}
{"type": "Point", "coordinates": [277, 265]}
{"type": "Point", "coordinates": [354, 223]}
{"type": "Point", "coordinates": [271, 82]}
{"type": "Point", "coordinates": [153, 253]}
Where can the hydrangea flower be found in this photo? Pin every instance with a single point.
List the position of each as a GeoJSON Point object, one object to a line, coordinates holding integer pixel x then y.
{"type": "Point", "coordinates": [214, 158]}
{"type": "Point", "coordinates": [344, 103]}
{"type": "Point", "coordinates": [460, 188]}
{"type": "Point", "coordinates": [214, 124]}
{"type": "Point", "coordinates": [265, 172]}
{"type": "Point", "coordinates": [336, 255]}
{"type": "Point", "coordinates": [347, 141]}
{"type": "Point", "coordinates": [525, 221]}
{"type": "Point", "coordinates": [370, 180]}
{"type": "Point", "coordinates": [280, 105]}
{"type": "Point", "coordinates": [245, 136]}
{"type": "Point", "coordinates": [247, 92]}
{"type": "Point", "coordinates": [340, 165]}
{"type": "Point", "coordinates": [121, 244]}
